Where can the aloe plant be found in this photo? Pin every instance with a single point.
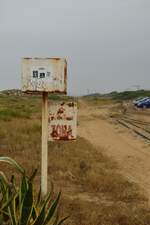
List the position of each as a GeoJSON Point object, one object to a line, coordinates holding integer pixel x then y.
{"type": "Point", "coordinates": [18, 205]}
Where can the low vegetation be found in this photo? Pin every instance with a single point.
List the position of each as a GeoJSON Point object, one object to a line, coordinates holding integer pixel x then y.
{"type": "Point", "coordinates": [93, 190]}
{"type": "Point", "coordinates": [118, 96]}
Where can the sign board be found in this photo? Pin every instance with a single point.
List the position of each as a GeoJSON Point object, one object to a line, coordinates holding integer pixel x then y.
{"type": "Point", "coordinates": [44, 75]}
{"type": "Point", "coordinates": [62, 121]}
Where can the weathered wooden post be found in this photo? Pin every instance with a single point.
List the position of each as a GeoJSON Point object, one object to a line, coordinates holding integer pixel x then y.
{"type": "Point", "coordinates": [44, 155]}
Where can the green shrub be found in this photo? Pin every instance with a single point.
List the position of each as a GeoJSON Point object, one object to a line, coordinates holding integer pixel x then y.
{"type": "Point", "coordinates": [18, 205]}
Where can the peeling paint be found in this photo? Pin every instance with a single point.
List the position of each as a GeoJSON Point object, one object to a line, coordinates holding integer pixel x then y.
{"type": "Point", "coordinates": [62, 121]}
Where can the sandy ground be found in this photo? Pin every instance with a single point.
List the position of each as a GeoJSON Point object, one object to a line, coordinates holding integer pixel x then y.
{"type": "Point", "coordinates": [131, 152]}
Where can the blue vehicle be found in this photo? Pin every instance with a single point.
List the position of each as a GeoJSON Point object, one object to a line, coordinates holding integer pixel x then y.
{"type": "Point", "coordinates": [140, 100]}
{"type": "Point", "coordinates": [144, 104]}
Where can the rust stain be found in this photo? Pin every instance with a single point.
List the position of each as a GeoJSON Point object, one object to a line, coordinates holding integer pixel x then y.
{"type": "Point", "coordinates": [66, 132]}
{"type": "Point", "coordinates": [59, 117]}
{"type": "Point", "coordinates": [57, 91]}
{"type": "Point", "coordinates": [65, 76]}
{"type": "Point", "coordinates": [69, 118]}
{"type": "Point", "coordinates": [57, 59]}
{"type": "Point", "coordinates": [65, 72]}
{"type": "Point", "coordinates": [54, 133]}
{"type": "Point", "coordinates": [40, 92]}
{"type": "Point", "coordinates": [54, 58]}
{"type": "Point", "coordinates": [62, 121]}
{"type": "Point", "coordinates": [61, 110]}
{"type": "Point", "coordinates": [71, 104]}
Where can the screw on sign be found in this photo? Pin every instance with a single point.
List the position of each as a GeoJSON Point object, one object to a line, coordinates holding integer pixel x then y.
{"type": "Point", "coordinates": [62, 121]}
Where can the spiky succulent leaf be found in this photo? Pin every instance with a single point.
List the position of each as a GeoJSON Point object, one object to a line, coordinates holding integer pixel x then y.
{"type": "Point", "coordinates": [51, 211]}
{"type": "Point", "coordinates": [13, 163]}
{"type": "Point", "coordinates": [27, 206]}
{"type": "Point", "coordinates": [31, 178]}
{"type": "Point", "coordinates": [62, 220]}
{"type": "Point", "coordinates": [34, 213]}
{"type": "Point", "coordinates": [23, 188]}
{"type": "Point", "coordinates": [12, 206]}
{"type": "Point", "coordinates": [41, 217]}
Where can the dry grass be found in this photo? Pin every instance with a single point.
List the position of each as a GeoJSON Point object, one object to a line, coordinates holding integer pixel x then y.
{"type": "Point", "coordinates": [93, 190]}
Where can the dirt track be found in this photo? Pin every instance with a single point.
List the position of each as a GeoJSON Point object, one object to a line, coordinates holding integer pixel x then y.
{"type": "Point", "coordinates": [131, 152]}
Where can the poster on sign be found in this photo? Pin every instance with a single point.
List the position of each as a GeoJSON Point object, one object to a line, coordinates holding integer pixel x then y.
{"type": "Point", "coordinates": [62, 121]}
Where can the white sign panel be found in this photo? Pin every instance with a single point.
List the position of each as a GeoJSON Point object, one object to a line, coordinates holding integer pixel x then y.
{"type": "Point", "coordinates": [62, 121]}
{"type": "Point", "coordinates": [44, 75]}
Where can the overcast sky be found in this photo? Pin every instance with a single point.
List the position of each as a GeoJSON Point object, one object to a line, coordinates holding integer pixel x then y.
{"type": "Point", "coordinates": [106, 42]}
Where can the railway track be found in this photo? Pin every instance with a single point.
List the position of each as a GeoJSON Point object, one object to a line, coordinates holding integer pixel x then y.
{"type": "Point", "coordinates": [136, 126]}
{"type": "Point", "coordinates": [139, 124]}
{"type": "Point", "coordinates": [137, 121]}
